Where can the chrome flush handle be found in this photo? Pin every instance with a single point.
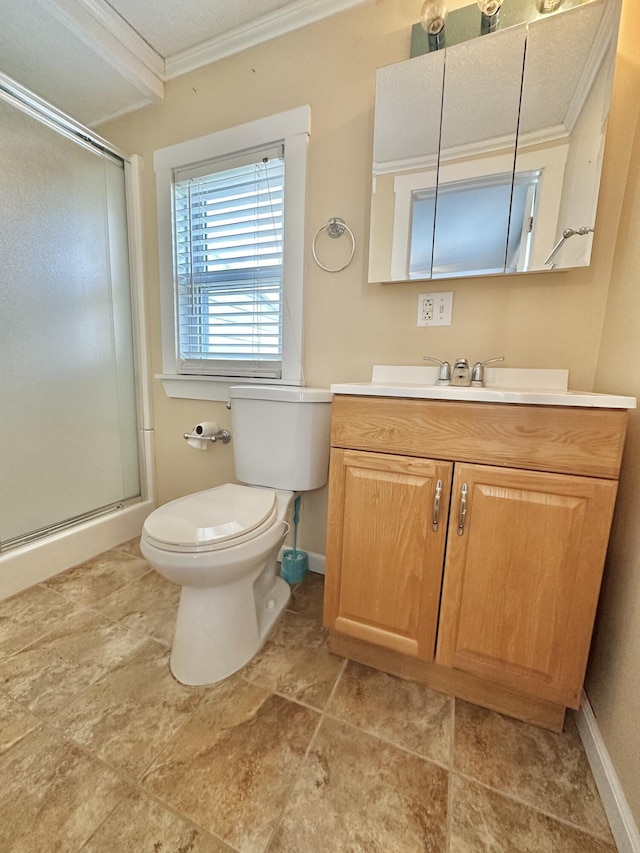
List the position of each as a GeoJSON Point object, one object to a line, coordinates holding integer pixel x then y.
{"type": "Point", "coordinates": [436, 506]}
{"type": "Point", "coordinates": [462, 512]}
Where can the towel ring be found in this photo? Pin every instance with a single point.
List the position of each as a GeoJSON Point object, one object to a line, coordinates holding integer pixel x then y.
{"type": "Point", "coordinates": [335, 228]}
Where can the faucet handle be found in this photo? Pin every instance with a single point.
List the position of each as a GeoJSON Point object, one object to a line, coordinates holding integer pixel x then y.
{"type": "Point", "coordinates": [445, 370]}
{"type": "Point", "coordinates": [477, 374]}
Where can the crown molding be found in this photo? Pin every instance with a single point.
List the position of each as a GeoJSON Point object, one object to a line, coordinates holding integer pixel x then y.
{"type": "Point", "coordinates": [291, 17]}
{"type": "Point", "coordinates": [102, 29]}
{"type": "Point", "coordinates": [129, 108]}
{"type": "Point", "coordinates": [111, 38]}
{"type": "Point", "coordinates": [545, 136]}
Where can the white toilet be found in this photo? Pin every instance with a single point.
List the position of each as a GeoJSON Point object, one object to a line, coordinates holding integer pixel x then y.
{"type": "Point", "coordinates": [221, 545]}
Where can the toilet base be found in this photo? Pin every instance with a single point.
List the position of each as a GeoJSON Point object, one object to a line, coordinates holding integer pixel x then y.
{"type": "Point", "coordinates": [220, 630]}
{"type": "Point", "coordinates": [272, 609]}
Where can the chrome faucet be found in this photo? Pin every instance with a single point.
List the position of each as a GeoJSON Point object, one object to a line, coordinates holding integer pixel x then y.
{"type": "Point", "coordinates": [460, 375]}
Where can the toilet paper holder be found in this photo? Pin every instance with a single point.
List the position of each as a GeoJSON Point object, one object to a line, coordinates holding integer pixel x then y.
{"type": "Point", "coordinates": [223, 435]}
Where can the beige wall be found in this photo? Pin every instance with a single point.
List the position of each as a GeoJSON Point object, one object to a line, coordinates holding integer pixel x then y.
{"type": "Point", "coordinates": [539, 320]}
{"type": "Point", "coordinates": [613, 678]}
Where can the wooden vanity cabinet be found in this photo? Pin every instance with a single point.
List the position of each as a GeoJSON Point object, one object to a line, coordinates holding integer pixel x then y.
{"type": "Point", "coordinates": [466, 543]}
{"type": "Point", "coordinates": [383, 534]}
{"type": "Point", "coordinates": [522, 581]}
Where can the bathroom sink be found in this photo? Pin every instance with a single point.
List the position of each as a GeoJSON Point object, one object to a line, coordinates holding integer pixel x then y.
{"type": "Point", "coordinates": [533, 386]}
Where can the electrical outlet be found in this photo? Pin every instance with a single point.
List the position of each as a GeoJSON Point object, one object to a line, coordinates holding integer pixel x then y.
{"type": "Point", "coordinates": [425, 308]}
{"type": "Point", "coordinates": [435, 309]}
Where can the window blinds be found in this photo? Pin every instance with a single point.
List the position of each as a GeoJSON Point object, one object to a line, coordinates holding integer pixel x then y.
{"type": "Point", "coordinates": [228, 239]}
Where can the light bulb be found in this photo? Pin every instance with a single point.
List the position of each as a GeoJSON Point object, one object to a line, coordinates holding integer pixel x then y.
{"type": "Point", "coordinates": [546, 6]}
{"type": "Point", "coordinates": [433, 15]}
{"type": "Point", "coordinates": [489, 7]}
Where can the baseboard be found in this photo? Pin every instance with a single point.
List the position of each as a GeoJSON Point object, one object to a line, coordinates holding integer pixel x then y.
{"type": "Point", "coordinates": [316, 561]}
{"type": "Point", "coordinates": [623, 825]}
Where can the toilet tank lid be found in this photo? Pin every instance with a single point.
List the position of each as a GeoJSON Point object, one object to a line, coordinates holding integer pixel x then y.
{"type": "Point", "coordinates": [281, 393]}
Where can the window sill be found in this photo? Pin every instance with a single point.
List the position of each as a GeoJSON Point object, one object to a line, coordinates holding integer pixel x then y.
{"type": "Point", "coordinates": [214, 388]}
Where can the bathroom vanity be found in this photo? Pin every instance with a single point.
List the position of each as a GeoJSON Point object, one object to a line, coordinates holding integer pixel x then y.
{"type": "Point", "coordinates": [467, 533]}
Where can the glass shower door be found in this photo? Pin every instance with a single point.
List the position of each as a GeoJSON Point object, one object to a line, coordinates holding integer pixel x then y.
{"type": "Point", "coordinates": [68, 427]}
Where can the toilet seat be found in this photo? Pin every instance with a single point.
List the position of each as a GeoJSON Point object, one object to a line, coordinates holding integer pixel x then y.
{"type": "Point", "coordinates": [212, 520]}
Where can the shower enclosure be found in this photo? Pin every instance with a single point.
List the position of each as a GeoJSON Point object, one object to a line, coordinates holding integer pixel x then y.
{"type": "Point", "coordinates": [71, 423]}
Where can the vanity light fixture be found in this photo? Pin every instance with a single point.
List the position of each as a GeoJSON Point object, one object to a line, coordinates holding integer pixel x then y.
{"type": "Point", "coordinates": [490, 14]}
{"type": "Point", "coordinates": [432, 18]}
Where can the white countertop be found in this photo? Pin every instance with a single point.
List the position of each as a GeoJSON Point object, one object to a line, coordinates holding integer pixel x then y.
{"type": "Point", "coordinates": [502, 385]}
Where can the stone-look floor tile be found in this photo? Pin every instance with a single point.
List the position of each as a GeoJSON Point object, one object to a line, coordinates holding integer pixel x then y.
{"type": "Point", "coordinates": [131, 547]}
{"type": "Point", "coordinates": [132, 712]}
{"type": "Point", "coordinates": [357, 793]}
{"type": "Point", "coordinates": [540, 768]}
{"type": "Point", "coordinates": [410, 715]}
{"type": "Point", "coordinates": [307, 597]}
{"type": "Point", "coordinates": [483, 820]}
{"type": "Point", "coordinates": [15, 722]}
{"type": "Point", "coordinates": [230, 768]}
{"type": "Point", "coordinates": [296, 661]}
{"type": "Point", "coordinates": [93, 580]}
{"type": "Point", "coordinates": [51, 672]}
{"type": "Point", "coordinates": [28, 616]}
{"type": "Point", "coordinates": [52, 795]}
{"type": "Point", "coordinates": [148, 604]}
{"type": "Point", "coordinates": [140, 825]}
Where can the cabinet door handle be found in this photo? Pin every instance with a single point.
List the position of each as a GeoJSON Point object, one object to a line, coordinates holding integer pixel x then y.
{"type": "Point", "coordinates": [436, 506]}
{"type": "Point", "coordinates": [462, 513]}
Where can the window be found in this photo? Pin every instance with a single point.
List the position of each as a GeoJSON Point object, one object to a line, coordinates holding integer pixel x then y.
{"type": "Point", "coordinates": [482, 226]}
{"type": "Point", "coordinates": [230, 229]}
{"type": "Point", "coordinates": [227, 244]}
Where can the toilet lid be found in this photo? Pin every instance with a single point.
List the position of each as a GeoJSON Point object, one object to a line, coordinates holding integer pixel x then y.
{"type": "Point", "coordinates": [211, 517]}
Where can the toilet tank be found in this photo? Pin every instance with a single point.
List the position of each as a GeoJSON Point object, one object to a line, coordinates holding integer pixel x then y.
{"type": "Point", "coordinates": [281, 436]}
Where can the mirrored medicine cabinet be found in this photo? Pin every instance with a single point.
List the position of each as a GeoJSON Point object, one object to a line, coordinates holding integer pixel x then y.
{"type": "Point", "coordinates": [487, 154]}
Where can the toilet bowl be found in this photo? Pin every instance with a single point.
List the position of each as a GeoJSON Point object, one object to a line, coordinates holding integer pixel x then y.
{"type": "Point", "coordinates": [221, 546]}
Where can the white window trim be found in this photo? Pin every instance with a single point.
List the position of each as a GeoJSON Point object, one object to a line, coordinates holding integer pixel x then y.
{"type": "Point", "coordinates": [291, 128]}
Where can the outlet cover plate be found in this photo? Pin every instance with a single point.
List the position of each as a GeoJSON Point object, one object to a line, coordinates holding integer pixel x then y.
{"type": "Point", "coordinates": [435, 309]}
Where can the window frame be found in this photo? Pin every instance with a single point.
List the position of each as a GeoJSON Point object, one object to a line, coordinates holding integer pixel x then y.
{"type": "Point", "coordinates": [291, 129]}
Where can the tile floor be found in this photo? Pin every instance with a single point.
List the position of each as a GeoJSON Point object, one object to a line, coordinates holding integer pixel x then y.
{"type": "Point", "coordinates": [102, 750]}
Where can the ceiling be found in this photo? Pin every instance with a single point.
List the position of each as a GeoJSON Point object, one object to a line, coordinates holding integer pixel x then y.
{"type": "Point", "coordinates": [95, 60]}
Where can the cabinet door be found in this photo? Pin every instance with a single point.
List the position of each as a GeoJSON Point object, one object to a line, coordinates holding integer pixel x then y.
{"type": "Point", "coordinates": [385, 548]}
{"type": "Point", "coordinates": [522, 577]}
